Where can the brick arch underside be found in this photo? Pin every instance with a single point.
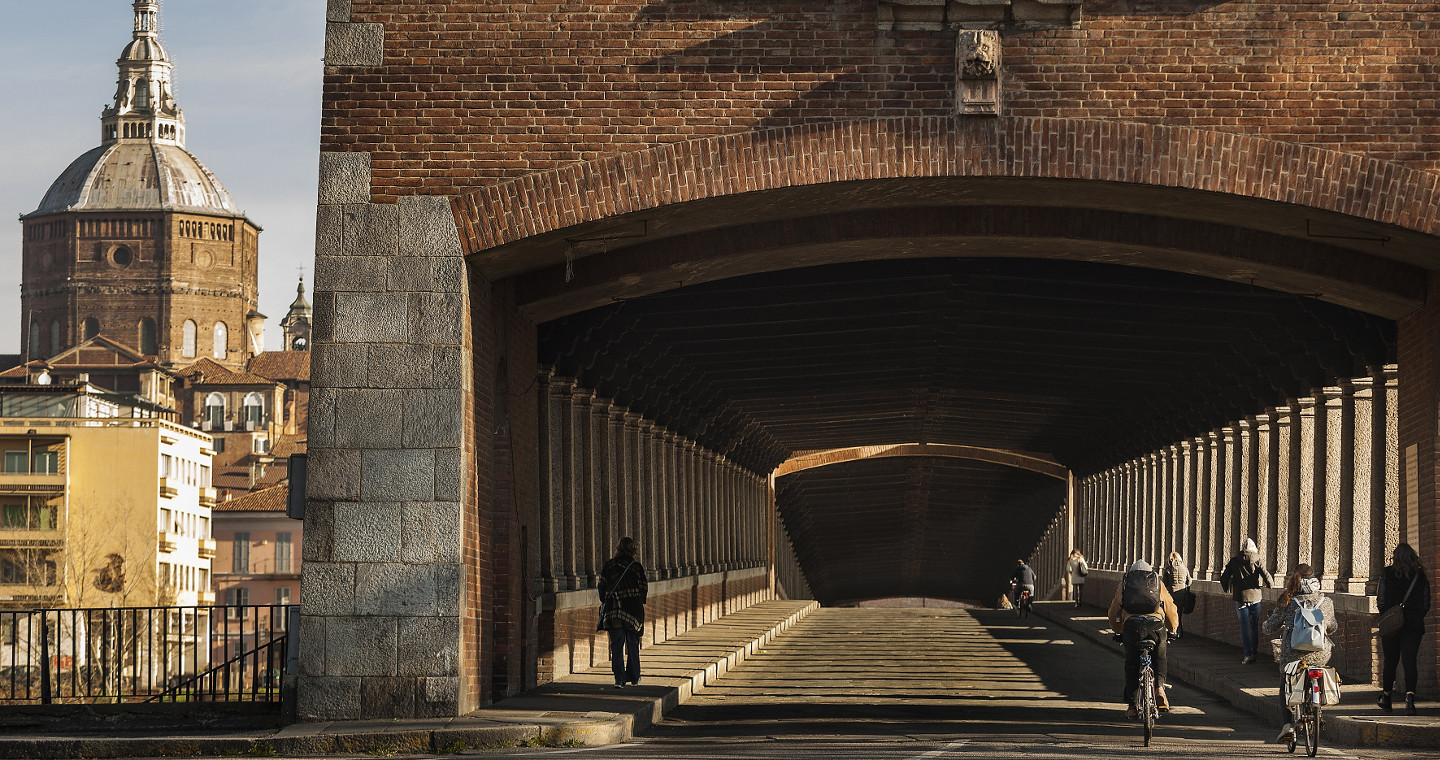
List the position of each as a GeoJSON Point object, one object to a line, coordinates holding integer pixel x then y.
{"type": "Point", "coordinates": [1351, 229]}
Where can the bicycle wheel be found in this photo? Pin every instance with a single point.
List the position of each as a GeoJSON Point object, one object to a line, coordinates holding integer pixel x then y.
{"type": "Point", "coordinates": [1312, 728]}
{"type": "Point", "coordinates": [1145, 696]}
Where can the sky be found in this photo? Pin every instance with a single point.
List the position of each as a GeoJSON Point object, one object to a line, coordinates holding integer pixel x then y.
{"type": "Point", "coordinates": [248, 76]}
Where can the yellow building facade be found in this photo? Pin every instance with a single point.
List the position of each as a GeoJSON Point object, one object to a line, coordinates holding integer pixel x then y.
{"type": "Point", "coordinates": [103, 502]}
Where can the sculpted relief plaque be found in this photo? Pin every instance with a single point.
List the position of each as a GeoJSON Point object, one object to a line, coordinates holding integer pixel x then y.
{"type": "Point", "coordinates": [977, 72]}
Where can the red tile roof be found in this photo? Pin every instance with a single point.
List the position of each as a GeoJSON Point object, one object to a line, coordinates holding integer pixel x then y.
{"type": "Point", "coordinates": [270, 499]}
{"type": "Point", "coordinates": [282, 365]}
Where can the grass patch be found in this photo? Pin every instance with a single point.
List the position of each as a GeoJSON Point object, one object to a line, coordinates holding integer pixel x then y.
{"type": "Point", "coordinates": [384, 750]}
{"type": "Point", "coordinates": [453, 747]}
{"type": "Point", "coordinates": [261, 749]}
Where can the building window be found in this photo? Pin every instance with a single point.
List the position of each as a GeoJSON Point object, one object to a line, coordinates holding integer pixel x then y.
{"type": "Point", "coordinates": [47, 462]}
{"type": "Point", "coordinates": [282, 594]}
{"type": "Point", "coordinates": [187, 339]}
{"type": "Point", "coordinates": [147, 336]}
{"type": "Point", "coordinates": [240, 554]}
{"type": "Point", "coordinates": [34, 340]}
{"type": "Point", "coordinates": [54, 337]}
{"type": "Point", "coordinates": [214, 411]}
{"type": "Point", "coordinates": [27, 567]}
{"type": "Point", "coordinates": [17, 461]}
{"type": "Point", "coordinates": [89, 328]}
{"type": "Point", "coordinates": [254, 409]}
{"type": "Point", "coordinates": [237, 598]}
{"type": "Point", "coordinates": [282, 552]}
{"type": "Point", "coordinates": [222, 338]}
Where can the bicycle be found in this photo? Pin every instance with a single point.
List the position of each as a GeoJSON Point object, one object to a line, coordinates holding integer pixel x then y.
{"type": "Point", "coordinates": [1305, 714]}
{"type": "Point", "coordinates": [1147, 699]}
{"type": "Point", "coordinates": [1022, 602]}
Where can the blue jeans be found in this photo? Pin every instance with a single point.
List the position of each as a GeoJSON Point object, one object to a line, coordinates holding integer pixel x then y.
{"type": "Point", "coordinates": [1249, 626]}
{"type": "Point", "coordinates": [625, 645]}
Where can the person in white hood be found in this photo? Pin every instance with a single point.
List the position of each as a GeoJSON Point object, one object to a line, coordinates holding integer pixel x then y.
{"type": "Point", "coordinates": [1301, 589]}
{"type": "Point", "coordinates": [1243, 578]}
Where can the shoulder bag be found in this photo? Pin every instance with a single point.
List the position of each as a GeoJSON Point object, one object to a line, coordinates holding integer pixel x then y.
{"type": "Point", "coordinates": [1391, 619]}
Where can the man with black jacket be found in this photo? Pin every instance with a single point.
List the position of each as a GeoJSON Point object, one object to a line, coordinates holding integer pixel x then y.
{"type": "Point", "coordinates": [1243, 578]}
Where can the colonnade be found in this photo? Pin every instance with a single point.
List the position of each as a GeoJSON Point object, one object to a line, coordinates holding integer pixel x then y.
{"type": "Point", "coordinates": [1314, 481]}
{"type": "Point", "coordinates": [607, 472]}
{"type": "Point", "coordinates": [790, 582]}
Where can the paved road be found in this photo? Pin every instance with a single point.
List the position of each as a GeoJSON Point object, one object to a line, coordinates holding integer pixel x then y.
{"type": "Point", "coordinates": [916, 684]}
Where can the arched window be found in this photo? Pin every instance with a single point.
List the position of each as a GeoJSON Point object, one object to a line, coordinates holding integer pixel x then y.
{"type": "Point", "coordinates": [54, 337]}
{"type": "Point", "coordinates": [214, 411]}
{"type": "Point", "coordinates": [34, 339]}
{"type": "Point", "coordinates": [254, 408]}
{"type": "Point", "coordinates": [147, 336]}
{"type": "Point", "coordinates": [142, 93]}
{"type": "Point", "coordinates": [89, 328]}
{"type": "Point", "coordinates": [187, 339]}
{"type": "Point", "coordinates": [222, 336]}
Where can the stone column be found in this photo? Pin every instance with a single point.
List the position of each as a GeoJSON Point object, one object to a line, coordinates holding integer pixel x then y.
{"type": "Point", "coordinates": [651, 499]}
{"type": "Point", "coordinates": [1385, 531]}
{"type": "Point", "coordinates": [566, 495]}
{"type": "Point", "coordinates": [1245, 485]}
{"type": "Point", "coordinates": [1150, 515]}
{"type": "Point", "coordinates": [1130, 519]}
{"type": "Point", "coordinates": [665, 488]}
{"type": "Point", "coordinates": [1332, 544]}
{"type": "Point", "coordinates": [1227, 490]}
{"type": "Point", "coordinates": [1354, 569]}
{"type": "Point", "coordinates": [551, 464]}
{"type": "Point", "coordinates": [1204, 500]}
{"type": "Point", "coordinates": [1287, 488]}
{"type": "Point", "coordinates": [580, 553]}
{"type": "Point", "coordinates": [1310, 435]}
{"type": "Point", "coordinates": [1188, 504]}
{"type": "Point", "coordinates": [1266, 513]}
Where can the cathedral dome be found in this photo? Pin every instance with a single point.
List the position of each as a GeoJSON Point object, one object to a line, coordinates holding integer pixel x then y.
{"type": "Point", "coordinates": [149, 176]}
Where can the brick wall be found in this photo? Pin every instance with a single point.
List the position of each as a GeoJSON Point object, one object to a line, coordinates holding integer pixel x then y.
{"type": "Point", "coordinates": [471, 93]}
{"type": "Point", "coordinates": [570, 643]}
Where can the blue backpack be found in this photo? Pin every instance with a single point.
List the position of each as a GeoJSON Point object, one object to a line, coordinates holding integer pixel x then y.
{"type": "Point", "coordinates": [1307, 629]}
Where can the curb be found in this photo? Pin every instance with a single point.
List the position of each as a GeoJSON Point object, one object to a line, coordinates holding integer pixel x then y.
{"type": "Point", "coordinates": [1341, 729]}
{"type": "Point", "coordinates": [306, 739]}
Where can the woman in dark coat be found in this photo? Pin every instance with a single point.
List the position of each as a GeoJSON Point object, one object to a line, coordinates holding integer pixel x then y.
{"type": "Point", "coordinates": [622, 595]}
{"type": "Point", "coordinates": [1404, 646]}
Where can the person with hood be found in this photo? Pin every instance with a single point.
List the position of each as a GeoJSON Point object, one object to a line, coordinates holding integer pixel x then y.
{"type": "Point", "coordinates": [1243, 578]}
{"type": "Point", "coordinates": [1403, 583]}
{"type": "Point", "coordinates": [1076, 568]}
{"type": "Point", "coordinates": [623, 589]}
{"type": "Point", "coordinates": [1176, 578]}
{"type": "Point", "coordinates": [1135, 626]}
{"type": "Point", "coordinates": [1301, 590]}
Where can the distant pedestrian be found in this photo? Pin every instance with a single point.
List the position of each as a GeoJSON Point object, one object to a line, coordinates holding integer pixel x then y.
{"type": "Point", "coordinates": [1176, 577]}
{"type": "Point", "coordinates": [1243, 578]}
{"type": "Point", "coordinates": [622, 596]}
{"type": "Point", "coordinates": [1023, 579]}
{"type": "Point", "coordinates": [1403, 583]}
{"type": "Point", "coordinates": [1302, 591]}
{"type": "Point", "coordinates": [1077, 569]}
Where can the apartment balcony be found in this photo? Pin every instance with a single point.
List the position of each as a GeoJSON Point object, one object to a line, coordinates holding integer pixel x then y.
{"type": "Point", "coordinates": [206, 548]}
{"type": "Point", "coordinates": [31, 482]}
{"type": "Point", "coordinates": [207, 497]}
{"type": "Point", "coordinates": [168, 541]}
{"type": "Point", "coordinates": [203, 598]}
{"type": "Point", "coordinates": [168, 489]}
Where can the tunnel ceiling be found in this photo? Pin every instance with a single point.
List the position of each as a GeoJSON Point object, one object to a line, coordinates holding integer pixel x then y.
{"type": "Point", "coordinates": [1092, 364]}
{"type": "Point", "coordinates": [919, 526]}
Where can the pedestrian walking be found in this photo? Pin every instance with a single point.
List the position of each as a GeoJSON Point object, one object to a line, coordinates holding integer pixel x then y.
{"type": "Point", "coordinates": [1302, 591]}
{"type": "Point", "coordinates": [1243, 578]}
{"type": "Point", "coordinates": [1076, 568]}
{"type": "Point", "coordinates": [622, 610]}
{"type": "Point", "coordinates": [1403, 584]}
{"type": "Point", "coordinates": [1176, 577]}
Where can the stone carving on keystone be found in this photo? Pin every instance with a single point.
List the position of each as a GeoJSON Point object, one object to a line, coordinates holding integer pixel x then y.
{"type": "Point", "coordinates": [977, 72]}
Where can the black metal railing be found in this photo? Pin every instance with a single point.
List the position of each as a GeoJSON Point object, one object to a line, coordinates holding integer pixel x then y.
{"type": "Point", "coordinates": [137, 654]}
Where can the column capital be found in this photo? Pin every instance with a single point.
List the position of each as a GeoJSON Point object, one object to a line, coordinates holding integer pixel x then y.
{"type": "Point", "coordinates": [1334, 395]}
{"type": "Point", "coordinates": [1228, 433]}
{"type": "Point", "coordinates": [1262, 422]}
{"type": "Point", "coordinates": [1361, 387]}
{"type": "Point", "coordinates": [1390, 373]}
{"type": "Point", "coordinates": [1245, 426]}
{"type": "Point", "coordinates": [1306, 405]}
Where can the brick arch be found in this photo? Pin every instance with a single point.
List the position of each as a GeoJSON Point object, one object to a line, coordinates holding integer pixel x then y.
{"type": "Point", "coordinates": [932, 147]}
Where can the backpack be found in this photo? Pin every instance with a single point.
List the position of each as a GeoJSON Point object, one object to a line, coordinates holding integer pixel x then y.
{"type": "Point", "coordinates": [1307, 630]}
{"type": "Point", "coordinates": [1141, 593]}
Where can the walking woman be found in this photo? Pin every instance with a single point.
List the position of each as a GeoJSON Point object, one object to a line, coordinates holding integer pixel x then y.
{"type": "Point", "coordinates": [1176, 577]}
{"type": "Point", "coordinates": [622, 595]}
{"type": "Point", "coordinates": [1403, 583]}
{"type": "Point", "coordinates": [1301, 589]}
{"type": "Point", "coordinates": [1077, 569]}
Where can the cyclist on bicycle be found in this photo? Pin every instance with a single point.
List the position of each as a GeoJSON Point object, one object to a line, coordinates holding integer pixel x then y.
{"type": "Point", "coordinates": [1302, 591]}
{"type": "Point", "coordinates": [1024, 578]}
{"type": "Point", "coordinates": [1143, 609]}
